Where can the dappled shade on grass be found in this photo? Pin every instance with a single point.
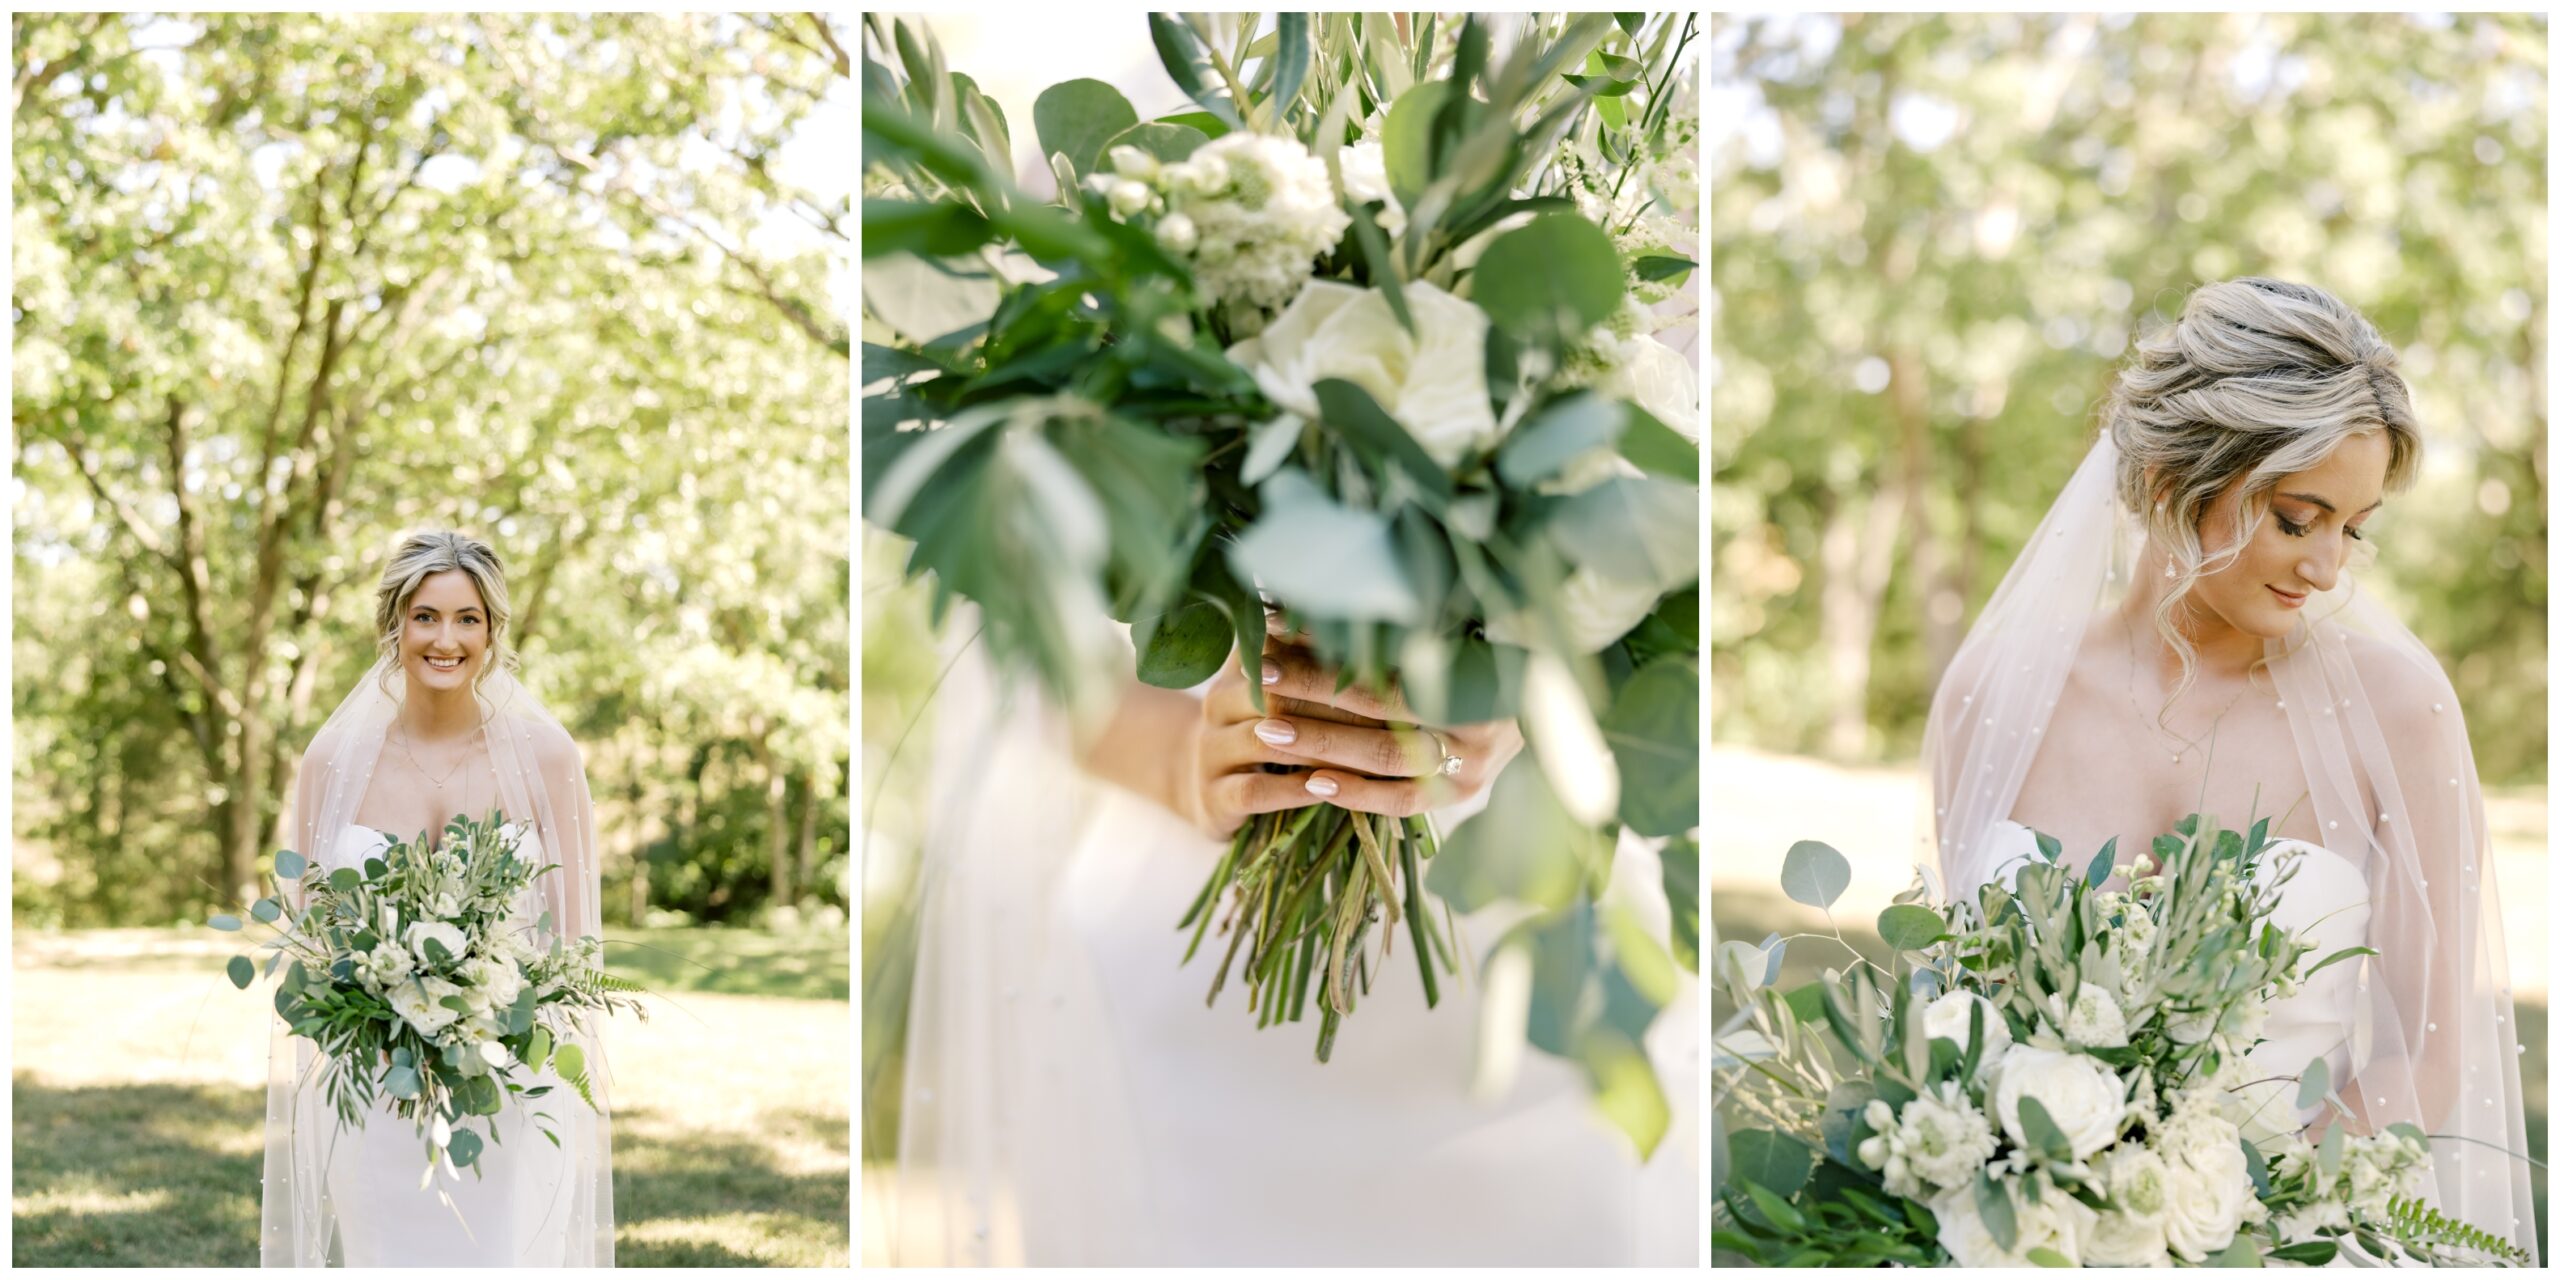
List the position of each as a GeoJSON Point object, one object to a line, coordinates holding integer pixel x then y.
{"type": "Point", "coordinates": [139, 1115]}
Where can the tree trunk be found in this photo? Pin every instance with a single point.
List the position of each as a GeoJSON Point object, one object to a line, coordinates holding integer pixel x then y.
{"type": "Point", "coordinates": [777, 819]}
{"type": "Point", "coordinates": [809, 836]}
{"type": "Point", "coordinates": [1852, 590]}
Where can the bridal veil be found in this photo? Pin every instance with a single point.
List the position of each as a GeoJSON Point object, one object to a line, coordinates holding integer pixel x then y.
{"type": "Point", "coordinates": [2393, 790]}
{"type": "Point", "coordinates": [540, 779]}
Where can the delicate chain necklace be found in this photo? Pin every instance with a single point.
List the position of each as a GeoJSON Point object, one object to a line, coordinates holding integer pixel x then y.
{"type": "Point", "coordinates": [2158, 724]}
{"type": "Point", "coordinates": [401, 740]}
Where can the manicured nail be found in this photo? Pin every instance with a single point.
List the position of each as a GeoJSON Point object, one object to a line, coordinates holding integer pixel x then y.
{"type": "Point", "coordinates": [1278, 733]}
{"type": "Point", "coordinates": [1323, 786]}
{"type": "Point", "coordinates": [1270, 672]}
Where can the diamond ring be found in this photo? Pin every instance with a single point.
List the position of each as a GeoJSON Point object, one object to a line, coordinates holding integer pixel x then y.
{"type": "Point", "coordinates": [1449, 764]}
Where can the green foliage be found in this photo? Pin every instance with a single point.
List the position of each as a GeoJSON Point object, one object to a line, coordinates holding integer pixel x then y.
{"type": "Point", "coordinates": [1558, 275]}
{"type": "Point", "coordinates": [1914, 326]}
{"type": "Point", "coordinates": [288, 285]}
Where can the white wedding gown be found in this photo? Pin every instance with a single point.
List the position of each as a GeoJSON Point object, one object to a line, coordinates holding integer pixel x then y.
{"type": "Point", "coordinates": [513, 1215]}
{"type": "Point", "coordinates": [1070, 1101]}
{"type": "Point", "coordinates": [1266, 1157]}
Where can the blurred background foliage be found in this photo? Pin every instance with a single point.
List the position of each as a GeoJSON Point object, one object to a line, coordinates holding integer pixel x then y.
{"type": "Point", "coordinates": [1936, 238]}
{"type": "Point", "coordinates": [287, 286]}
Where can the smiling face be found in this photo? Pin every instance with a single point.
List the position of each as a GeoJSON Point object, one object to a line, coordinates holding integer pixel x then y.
{"type": "Point", "coordinates": [2314, 519]}
{"type": "Point", "coordinates": [444, 632]}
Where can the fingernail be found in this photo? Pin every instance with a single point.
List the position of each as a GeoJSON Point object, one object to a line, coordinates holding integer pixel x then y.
{"type": "Point", "coordinates": [1323, 786]}
{"type": "Point", "coordinates": [1276, 732]}
{"type": "Point", "coordinates": [1270, 672]}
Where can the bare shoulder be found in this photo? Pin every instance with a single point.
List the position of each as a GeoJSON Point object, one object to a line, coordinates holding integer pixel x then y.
{"type": "Point", "coordinates": [2406, 684]}
{"type": "Point", "coordinates": [553, 749]}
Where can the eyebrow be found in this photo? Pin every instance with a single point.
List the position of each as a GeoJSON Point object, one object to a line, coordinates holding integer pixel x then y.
{"type": "Point", "coordinates": [2322, 503]}
{"type": "Point", "coordinates": [473, 608]}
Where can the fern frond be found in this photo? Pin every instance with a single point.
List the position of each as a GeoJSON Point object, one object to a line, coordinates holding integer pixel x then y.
{"type": "Point", "coordinates": [2413, 1220]}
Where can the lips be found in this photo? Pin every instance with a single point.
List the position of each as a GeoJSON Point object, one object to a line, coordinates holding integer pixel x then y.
{"type": "Point", "coordinates": [2290, 599]}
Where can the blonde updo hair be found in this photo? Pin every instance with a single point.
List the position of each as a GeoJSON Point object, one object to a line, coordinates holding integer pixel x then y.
{"type": "Point", "coordinates": [421, 555]}
{"type": "Point", "coordinates": [2257, 379]}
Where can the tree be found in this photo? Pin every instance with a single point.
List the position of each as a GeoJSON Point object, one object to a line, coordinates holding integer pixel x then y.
{"type": "Point", "coordinates": [287, 285]}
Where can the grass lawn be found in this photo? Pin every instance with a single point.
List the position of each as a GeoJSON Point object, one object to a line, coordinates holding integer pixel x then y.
{"type": "Point", "coordinates": [139, 1101]}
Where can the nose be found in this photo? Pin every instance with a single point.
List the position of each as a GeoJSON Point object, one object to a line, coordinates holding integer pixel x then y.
{"type": "Point", "coordinates": [2322, 561]}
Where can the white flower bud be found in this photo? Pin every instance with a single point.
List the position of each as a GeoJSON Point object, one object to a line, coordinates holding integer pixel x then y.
{"type": "Point", "coordinates": [1130, 162]}
{"type": "Point", "coordinates": [1129, 197]}
{"type": "Point", "coordinates": [1177, 234]}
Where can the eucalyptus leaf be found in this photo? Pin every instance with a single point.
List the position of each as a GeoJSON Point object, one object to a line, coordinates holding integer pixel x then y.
{"type": "Point", "coordinates": [241, 972]}
{"type": "Point", "coordinates": [1328, 561]}
{"type": "Point", "coordinates": [1522, 847]}
{"type": "Point", "coordinates": [291, 865]}
{"type": "Point", "coordinates": [226, 923]}
{"type": "Point", "coordinates": [1773, 1160]}
{"type": "Point", "coordinates": [1652, 732]}
{"type": "Point", "coordinates": [1910, 927]}
{"type": "Point", "coordinates": [1632, 529]}
{"type": "Point", "coordinates": [2315, 1083]}
{"type": "Point", "coordinates": [1814, 874]}
{"type": "Point", "coordinates": [1075, 118]}
{"type": "Point", "coordinates": [1406, 139]}
{"type": "Point", "coordinates": [1551, 281]}
{"type": "Point", "coordinates": [1178, 650]}
{"type": "Point", "coordinates": [265, 911]}
{"type": "Point", "coordinates": [941, 229]}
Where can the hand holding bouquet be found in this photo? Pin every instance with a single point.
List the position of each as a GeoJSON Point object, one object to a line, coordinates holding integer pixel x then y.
{"type": "Point", "coordinates": [1367, 337]}
{"type": "Point", "coordinates": [2060, 1079]}
{"type": "Point", "coordinates": [423, 976]}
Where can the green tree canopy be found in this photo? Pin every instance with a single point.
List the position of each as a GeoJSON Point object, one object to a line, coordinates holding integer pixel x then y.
{"type": "Point", "coordinates": [287, 286]}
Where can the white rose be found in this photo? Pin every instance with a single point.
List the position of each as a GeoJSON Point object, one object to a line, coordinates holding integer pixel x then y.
{"type": "Point", "coordinates": [444, 935]}
{"type": "Point", "coordinates": [2085, 1099]}
{"type": "Point", "coordinates": [1659, 380]}
{"type": "Point", "coordinates": [2210, 1194]}
{"type": "Point", "coordinates": [499, 979]}
{"type": "Point", "coordinates": [2060, 1223]}
{"type": "Point", "coordinates": [1950, 1017]}
{"type": "Point", "coordinates": [2135, 1233]}
{"type": "Point", "coordinates": [420, 1003]}
{"type": "Point", "coordinates": [1596, 610]}
{"type": "Point", "coordinates": [1431, 380]}
{"type": "Point", "coordinates": [2094, 1020]}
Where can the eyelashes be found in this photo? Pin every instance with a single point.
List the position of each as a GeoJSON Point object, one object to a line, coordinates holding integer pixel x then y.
{"type": "Point", "coordinates": [2292, 530]}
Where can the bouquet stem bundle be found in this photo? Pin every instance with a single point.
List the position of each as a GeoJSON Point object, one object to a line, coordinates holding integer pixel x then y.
{"type": "Point", "coordinates": [1308, 885]}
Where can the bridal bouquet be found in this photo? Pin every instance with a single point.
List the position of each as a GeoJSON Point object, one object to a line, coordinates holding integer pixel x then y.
{"type": "Point", "coordinates": [2061, 1079]}
{"type": "Point", "coordinates": [1365, 337]}
{"type": "Point", "coordinates": [421, 976]}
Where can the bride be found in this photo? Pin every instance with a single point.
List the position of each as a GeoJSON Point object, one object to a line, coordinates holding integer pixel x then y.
{"type": "Point", "coordinates": [1069, 1100]}
{"type": "Point", "coordinates": [2183, 634]}
{"type": "Point", "coordinates": [441, 728]}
